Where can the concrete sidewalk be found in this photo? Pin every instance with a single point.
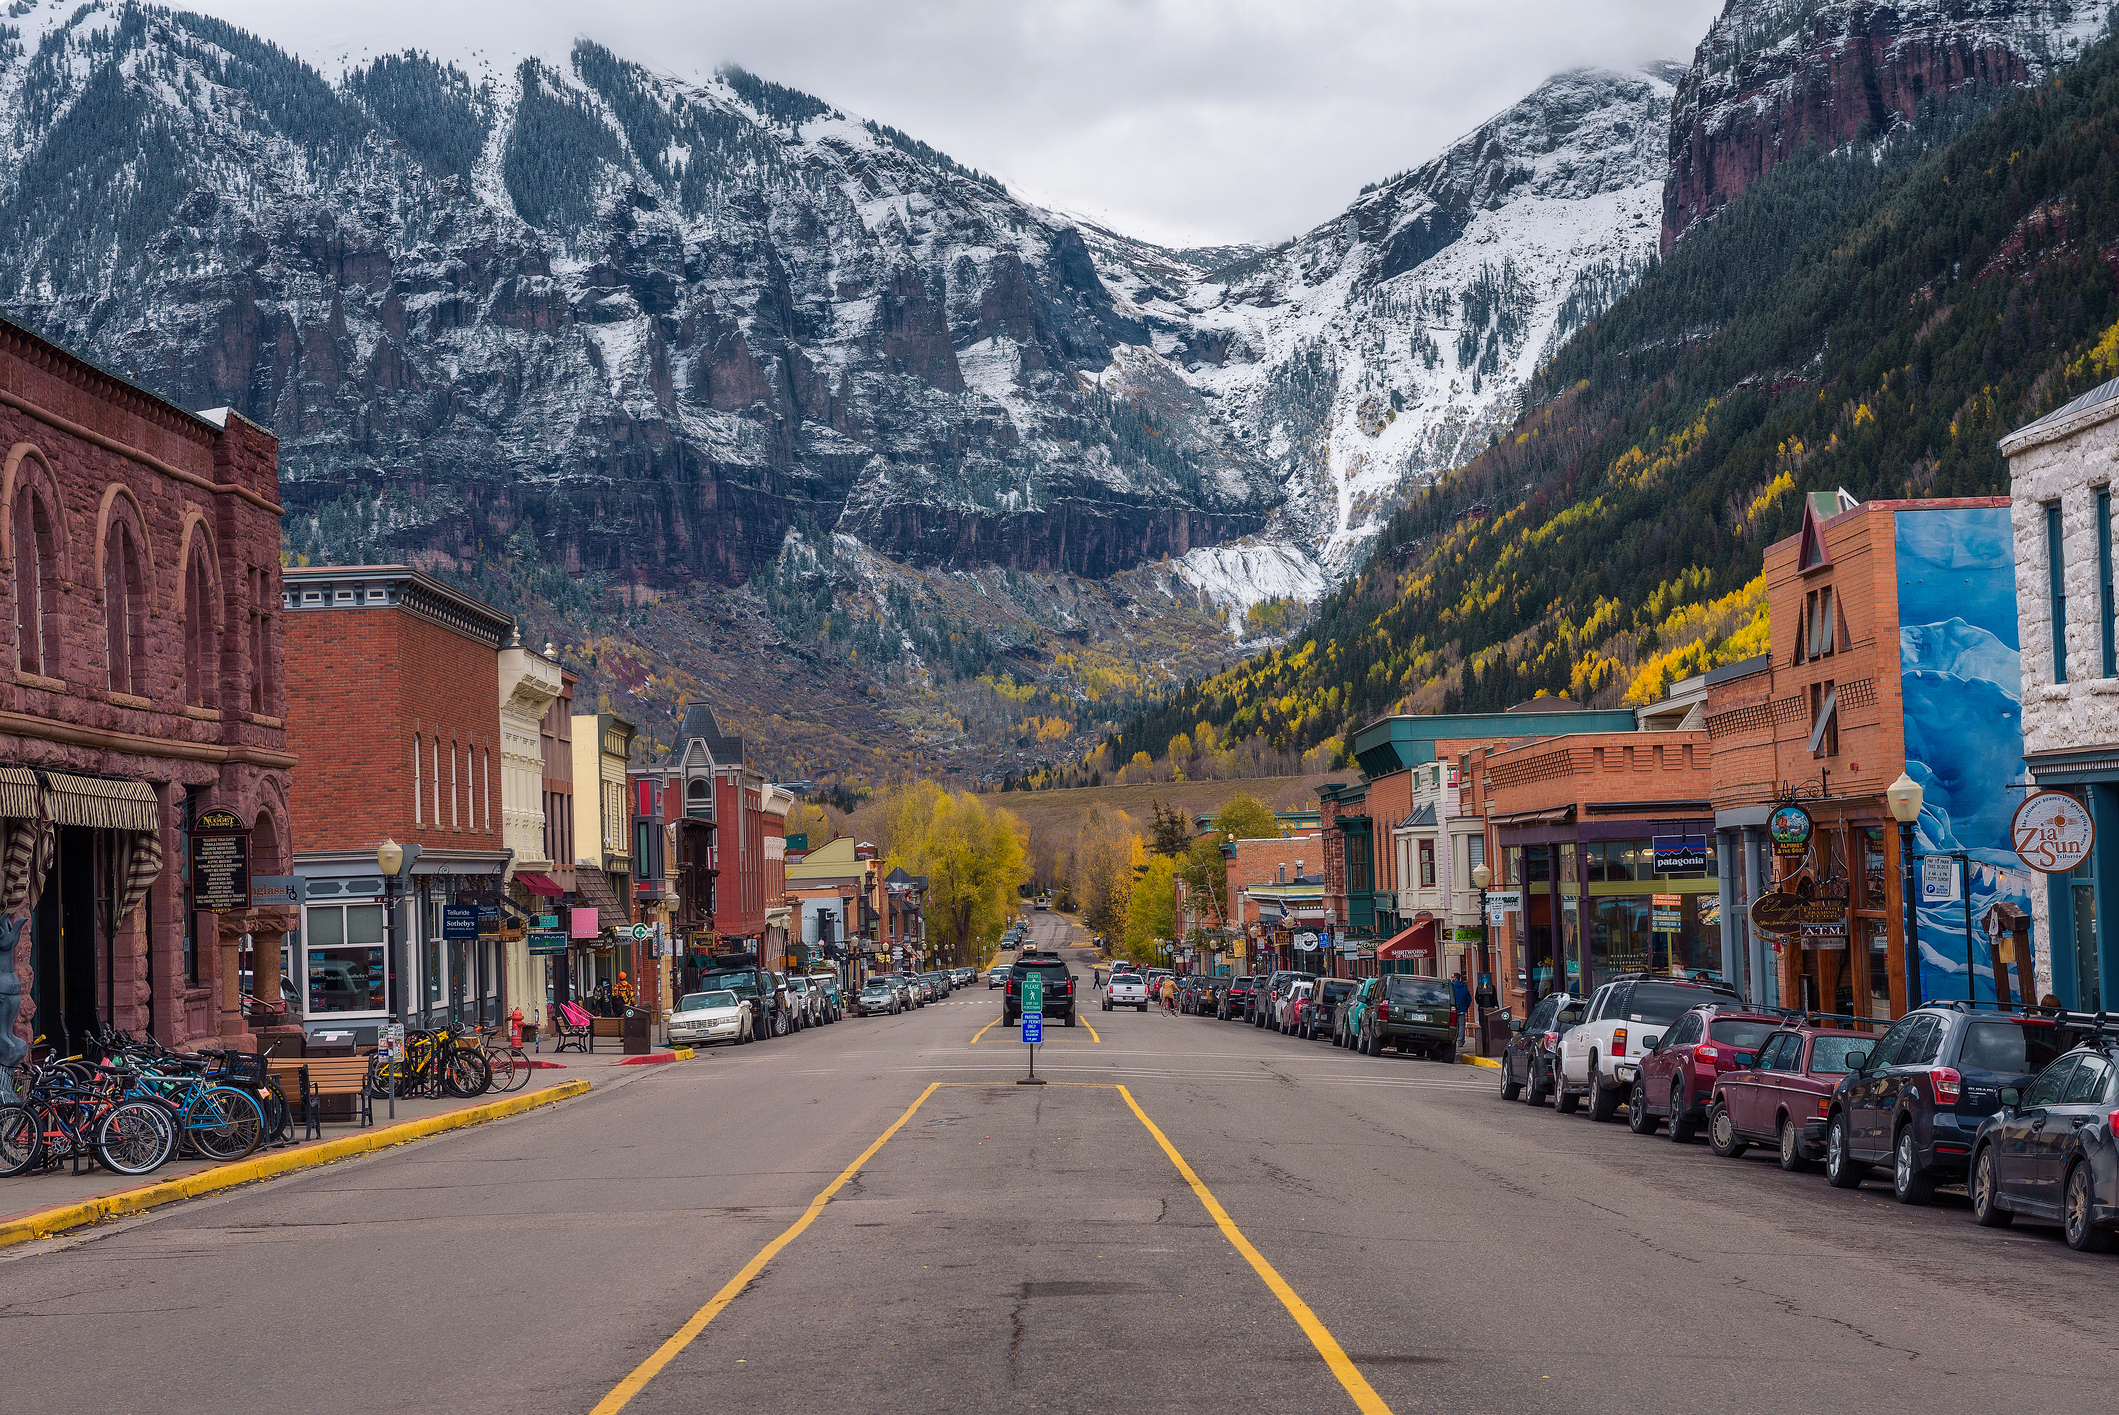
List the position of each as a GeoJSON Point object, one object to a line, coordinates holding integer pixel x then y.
{"type": "Point", "coordinates": [27, 1200]}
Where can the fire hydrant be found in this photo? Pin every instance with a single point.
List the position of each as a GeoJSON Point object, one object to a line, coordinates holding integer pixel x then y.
{"type": "Point", "coordinates": [515, 1028]}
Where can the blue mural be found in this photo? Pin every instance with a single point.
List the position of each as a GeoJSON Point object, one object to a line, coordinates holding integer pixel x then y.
{"type": "Point", "coordinates": [1960, 670]}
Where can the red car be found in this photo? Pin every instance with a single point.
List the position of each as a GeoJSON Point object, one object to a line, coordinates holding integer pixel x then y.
{"type": "Point", "coordinates": [1678, 1076]}
{"type": "Point", "coordinates": [1783, 1100]}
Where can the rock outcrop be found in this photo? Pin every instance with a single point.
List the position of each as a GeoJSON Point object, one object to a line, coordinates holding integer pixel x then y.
{"type": "Point", "coordinates": [593, 318]}
{"type": "Point", "coordinates": [1773, 76]}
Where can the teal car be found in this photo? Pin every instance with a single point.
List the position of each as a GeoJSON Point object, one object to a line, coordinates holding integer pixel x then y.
{"type": "Point", "coordinates": [1353, 1008]}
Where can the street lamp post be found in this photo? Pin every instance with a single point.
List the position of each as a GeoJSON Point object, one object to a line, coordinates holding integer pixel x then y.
{"type": "Point", "coordinates": [1481, 877]}
{"type": "Point", "coordinates": [1903, 797]}
{"type": "Point", "coordinates": [390, 858]}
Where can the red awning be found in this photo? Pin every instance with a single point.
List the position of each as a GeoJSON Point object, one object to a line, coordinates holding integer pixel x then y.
{"type": "Point", "coordinates": [539, 884]}
{"type": "Point", "coordinates": [1416, 942]}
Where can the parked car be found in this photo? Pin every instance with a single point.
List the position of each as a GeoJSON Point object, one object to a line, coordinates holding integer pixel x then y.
{"type": "Point", "coordinates": [1676, 1080]}
{"type": "Point", "coordinates": [939, 981]}
{"type": "Point", "coordinates": [1346, 1021]}
{"type": "Point", "coordinates": [1316, 1018]}
{"type": "Point", "coordinates": [1058, 981]}
{"type": "Point", "coordinates": [1414, 1014]}
{"type": "Point", "coordinates": [1195, 994]}
{"type": "Point", "coordinates": [880, 994]}
{"type": "Point", "coordinates": [922, 994]}
{"type": "Point", "coordinates": [1916, 1100]}
{"type": "Point", "coordinates": [1234, 998]}
{"type": "Point", "coordinates": [772, 1010]}
{"type": "Point", "coordinates": [1601, 1055]}
{"type": "Point", "coordinates": [808, 1003]}
{"type": "Point", "coordinates": [1265, 1002]}
{"type": "Point", "coordinates": [1287, 1007]}
{"type": "Point", "coordinates": [1529, 1061]}
{"type": "Point", "coordinates": [702, 1018]}
{"type": "Point", "coordinates": [2051, 1153]}
{"type": "Point", "coordinates": [1783, 1098]}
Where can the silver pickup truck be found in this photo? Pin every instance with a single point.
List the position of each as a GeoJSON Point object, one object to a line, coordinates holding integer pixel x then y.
{"type": "Point", "coordinates": [1126, 990]}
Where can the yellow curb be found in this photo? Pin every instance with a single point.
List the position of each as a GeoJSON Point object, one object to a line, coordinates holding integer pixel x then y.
{"type": "Point", "coordinates": [228, 1176]}
{"type": "Point", "coordinates": [683, 1053]}
{"type": "Point", "coordinates": [1480, 1061]}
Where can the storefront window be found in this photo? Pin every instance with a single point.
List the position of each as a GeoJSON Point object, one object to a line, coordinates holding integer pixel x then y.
{"type": "Point", "coordinates": [1618, 936]}
{"type": "Point", "coordinates": [1872, 868]}
{"type": "Point", "coordinates": [1514, 866]}
{"type": "Point", "coordinates": [345, 958]}
{"type": "Point", "coordinates": [1879, 967]}
{"type": "Point", "coordinates": [1697, 947]}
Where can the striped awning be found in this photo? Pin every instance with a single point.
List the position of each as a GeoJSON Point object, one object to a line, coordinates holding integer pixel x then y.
{"type": "Point", "coordinates": [100, 804]}
{"type": "Point", "coordinates": [18, 792]}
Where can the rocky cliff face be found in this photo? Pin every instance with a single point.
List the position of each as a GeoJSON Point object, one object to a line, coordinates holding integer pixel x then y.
{"type": "Point", "coordinates": [615, 325]}
{"type": "Point", "coordinates": [1774, 75]}
{"type": "Point", "coordinates": [1386, 345]}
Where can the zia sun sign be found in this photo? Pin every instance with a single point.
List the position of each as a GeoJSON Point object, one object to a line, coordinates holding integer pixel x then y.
{"type": "Point", "coordinates": [2052, 832]}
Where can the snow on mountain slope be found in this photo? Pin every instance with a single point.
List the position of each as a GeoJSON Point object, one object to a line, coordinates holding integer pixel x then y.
{"type": "Point", "coordinates": [1386, 345]}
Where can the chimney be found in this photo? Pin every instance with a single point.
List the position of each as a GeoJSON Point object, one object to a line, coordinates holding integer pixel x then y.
{"type": "Point", "coordinates": [1283, 872]}
{"type": "Point", "coordinates": [1298, 872]}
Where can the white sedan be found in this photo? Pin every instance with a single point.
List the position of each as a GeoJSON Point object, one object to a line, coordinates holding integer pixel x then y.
{"type": "Point", "coordinates": [703, 1017]}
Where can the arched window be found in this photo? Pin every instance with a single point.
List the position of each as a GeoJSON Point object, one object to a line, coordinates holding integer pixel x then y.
{"type": "Point", "coordinates": [124, 607]}
{"type": "Point", "coordinates": [36, 581]}
{"type": "Point", "coordinates": [699, 798]}
{"type": "Point", "coordinates": [202, 663]}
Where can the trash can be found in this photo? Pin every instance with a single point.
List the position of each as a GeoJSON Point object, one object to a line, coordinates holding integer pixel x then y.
{"type": "Point", "coordinates": [636, 1031]}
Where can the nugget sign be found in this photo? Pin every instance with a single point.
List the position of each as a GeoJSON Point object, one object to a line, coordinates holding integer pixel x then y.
{"type": "Point", "coordinates": [2052, 832]}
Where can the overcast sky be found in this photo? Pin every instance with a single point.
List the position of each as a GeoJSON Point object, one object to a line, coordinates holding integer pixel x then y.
{"type": "Point", "coordinates": [1181, 121]}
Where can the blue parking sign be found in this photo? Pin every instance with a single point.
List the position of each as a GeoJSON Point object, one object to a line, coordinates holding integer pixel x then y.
{"type": "Point", "coordinates": [1033, 1026]}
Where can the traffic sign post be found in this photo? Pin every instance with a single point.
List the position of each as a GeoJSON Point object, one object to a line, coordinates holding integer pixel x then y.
{"type": "Point", "coordinates": [1033, 1022]}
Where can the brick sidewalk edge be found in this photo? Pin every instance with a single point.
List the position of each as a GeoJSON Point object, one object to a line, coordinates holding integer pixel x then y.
{"type": "Point", "coordinates": [227, 1176]}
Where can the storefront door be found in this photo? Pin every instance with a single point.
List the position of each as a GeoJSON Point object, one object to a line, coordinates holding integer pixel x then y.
{"type": "Point", "coordinates": [63, 944]}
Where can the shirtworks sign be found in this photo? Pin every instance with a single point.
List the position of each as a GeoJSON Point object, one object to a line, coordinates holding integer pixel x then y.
{"type": "Point", "coordinates": [220, 861]}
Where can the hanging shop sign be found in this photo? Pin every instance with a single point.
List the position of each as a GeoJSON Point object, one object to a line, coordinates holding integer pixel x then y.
{"type": "Point", "coordinates": [1778, 913]}
{"type": "Point", "coordinates": [547, 941]}
{"type": "Point", "coordinates": [2052, 832]}
{"type": "Point", "coordinates": [1789, 829]}
{"type": "Point", "coordinates": [1680, 854]}
{"type": "Point", "coordinates": [459, 921]}
{"type": "Point", "coordinates": [220, 862]}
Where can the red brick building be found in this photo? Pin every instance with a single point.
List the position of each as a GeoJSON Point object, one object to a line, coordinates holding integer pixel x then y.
{"type": "Point", "coordinates": [143, 605]}
{"type": "Point", "coordinates": [393, 690]}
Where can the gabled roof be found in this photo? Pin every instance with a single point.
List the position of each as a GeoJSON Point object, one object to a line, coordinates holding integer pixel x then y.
{"type": "Point", "coordinates": [700, 725]}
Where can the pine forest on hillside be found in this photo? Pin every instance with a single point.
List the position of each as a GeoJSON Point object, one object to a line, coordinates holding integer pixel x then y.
{"type": "Point", "coordinates": [1873, 319]}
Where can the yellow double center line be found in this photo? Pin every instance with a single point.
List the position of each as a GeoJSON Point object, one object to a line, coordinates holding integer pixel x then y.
{"type": "Point", "coordinates": [1335, 1358]}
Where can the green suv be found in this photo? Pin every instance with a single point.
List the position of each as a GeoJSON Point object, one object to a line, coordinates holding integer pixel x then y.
{"type": "Point", "coordinates": [1417, 1015]}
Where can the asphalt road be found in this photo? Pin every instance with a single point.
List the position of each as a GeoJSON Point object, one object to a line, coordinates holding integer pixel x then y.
{"type": "Point", "coordinates": [1012, 1247]}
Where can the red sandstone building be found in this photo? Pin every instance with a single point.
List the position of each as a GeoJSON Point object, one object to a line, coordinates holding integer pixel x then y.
{"type": "Point", "coordinates": [143, 596]}
{"type": "Point", "coordinates": [393, 692]}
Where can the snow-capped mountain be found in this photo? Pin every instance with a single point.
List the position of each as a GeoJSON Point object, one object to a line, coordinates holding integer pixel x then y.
{"type": "Point", "coordinates": [1387, 344]}
{"type": "Point", "coordinates": [1772, 76]}
{"type": "Point", "coordinates": [606, 321]}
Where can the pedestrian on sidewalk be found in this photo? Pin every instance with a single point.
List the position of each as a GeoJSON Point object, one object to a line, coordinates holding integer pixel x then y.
{"type": "Point", "coordinates": [1462, 997]}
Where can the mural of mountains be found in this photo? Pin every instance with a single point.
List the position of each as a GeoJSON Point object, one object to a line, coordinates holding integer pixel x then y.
{"type": "Point", "coordinates": [730, 389]}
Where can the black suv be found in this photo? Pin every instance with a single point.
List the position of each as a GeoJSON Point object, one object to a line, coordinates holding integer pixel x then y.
{"type": "Point", "coordinates": [1059, 987]}
{"type": "Point", "coordinates": [1529, 1060]}
{"type": "Point", "coordinates": [1234, 998]}
{"type": "Point", "coordinates": [1916, 1100]}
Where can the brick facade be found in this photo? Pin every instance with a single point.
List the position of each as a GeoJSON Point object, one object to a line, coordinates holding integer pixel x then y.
{"type": "Point", "coordinates": [142, 609]}
{"type": "Point", "coordinates": [367, 687]}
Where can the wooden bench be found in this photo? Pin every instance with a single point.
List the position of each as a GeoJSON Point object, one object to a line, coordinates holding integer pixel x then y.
{"type": "Point", "coordinates": [306, 1083]}
{"type": "Point", "coordinates": [606, 1027]}
{"type": "Point", "coordinates": [285, 1072]}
